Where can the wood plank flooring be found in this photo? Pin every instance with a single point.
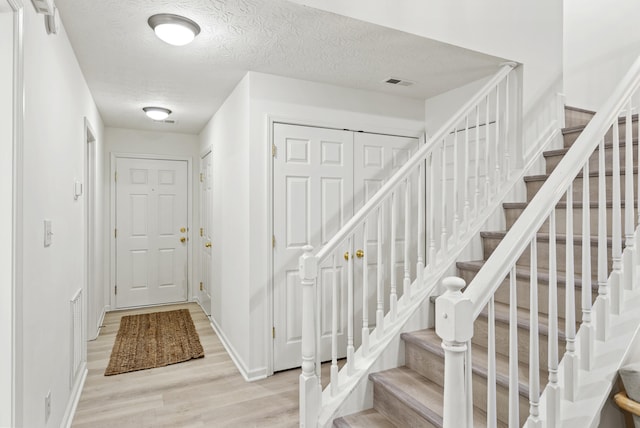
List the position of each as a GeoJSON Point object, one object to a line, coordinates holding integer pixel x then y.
{"type": "Point", "coordinates": [208, 392]}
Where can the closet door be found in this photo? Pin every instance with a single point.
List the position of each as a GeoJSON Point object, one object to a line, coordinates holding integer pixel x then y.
{"type": "Point", "coordinates": [312, 200]}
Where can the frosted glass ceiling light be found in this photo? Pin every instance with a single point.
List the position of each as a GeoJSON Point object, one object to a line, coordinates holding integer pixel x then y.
{"type": "Point", "coordinates": [157, 113]}
{"type": "Point", "coordinates": [173, 29]}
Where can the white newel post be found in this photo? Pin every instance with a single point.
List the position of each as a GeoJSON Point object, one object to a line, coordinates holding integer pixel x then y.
{"type": "Point", "coordinates": [310, 392]}
{"type": "Point", "coordinates": [454, 325]}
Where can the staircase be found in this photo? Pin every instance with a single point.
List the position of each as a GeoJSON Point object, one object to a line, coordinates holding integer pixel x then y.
{"type": "Point", "coordinates": [412, 395]}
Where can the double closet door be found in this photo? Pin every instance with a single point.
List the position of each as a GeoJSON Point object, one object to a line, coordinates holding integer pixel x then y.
{"type": "Point", "coordinates": [321, 178]}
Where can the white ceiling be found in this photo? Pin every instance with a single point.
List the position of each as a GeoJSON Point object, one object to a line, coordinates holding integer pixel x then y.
{"type": "Point", "coordinates": [127, 67]}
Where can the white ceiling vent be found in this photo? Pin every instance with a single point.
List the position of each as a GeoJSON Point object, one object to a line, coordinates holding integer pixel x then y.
{"type": "Point", "coordinates": [43, 6]}
{"type": "Point", "coordinates": [397, 81]}
{"type": "Point", "coordinates": [165, 121]}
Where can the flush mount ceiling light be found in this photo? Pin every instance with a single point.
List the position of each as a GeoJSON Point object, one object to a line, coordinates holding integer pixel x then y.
{"type": "Point", "coordinates": [157, 113]}
{"type": "Point", "coordinates": [174, 29]}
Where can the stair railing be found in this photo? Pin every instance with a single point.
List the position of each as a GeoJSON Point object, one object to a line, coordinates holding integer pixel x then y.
{"type": "Point", "coordinates": [416, 219]}
{"type": "Point", "coordinates": [536, 227]}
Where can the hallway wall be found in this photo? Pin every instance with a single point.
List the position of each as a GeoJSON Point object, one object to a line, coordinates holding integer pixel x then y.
{"type": "Point", "coordinates": [57, 100]}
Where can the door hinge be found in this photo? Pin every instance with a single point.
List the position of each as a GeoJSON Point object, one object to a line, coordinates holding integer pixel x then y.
{"type": "Point", "coordinates": [274, 150]}
{"type": "Point", "coordinates": [201, 288]}
{"type": "Point", "coordinates": [273, 241]}
{"type": "Point", "coordinates": [115, 233]}
{"type": "Point", "coordinates": [202, 231]}
{"type": "Point", "coordinates": [116, 289]}
{"type": "Point", "coordinates": [115, 176]}
{"type": "Point", "coordinates": [273, 332]}
{"type": "Point", "coordinates": [201, 177]}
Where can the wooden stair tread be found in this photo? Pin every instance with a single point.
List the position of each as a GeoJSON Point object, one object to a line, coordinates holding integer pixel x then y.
{"type": "Point", "coordinates": [414, 390]}
{"type": "Point", "coordinates": [369, 418]}
{"type": "Point", "coordinates": [579, 109]}
{"type": "Point", "coordinates": [563, 204]}
{"type": "Point", "coordinates": [428, 340]}
{"type": "Point", "coordinates": [525, 273]}
{"type": "Point", "coordinates": [607, 172]}
{"type": "Point", "coordinates": [580, 128]}
{"type": "Point", "coordinates": [544, 237]}
{"type": "Point", "coordinates": [563, 151]}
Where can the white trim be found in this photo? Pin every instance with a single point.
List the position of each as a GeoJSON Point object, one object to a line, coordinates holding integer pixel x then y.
{"type": "Point", "coordinates": [72, 405]}
{"type": "Point", "coordinates": [419, 133]}
{"type": "Point", "coordinates": [15, 404]}
{"type": "Point", "coordinates": [248, 375]}
{"type": "Point", "coordinates": [100, 323]}
{"type": "Point", "coordinates": [89, 274]}
{"type": "Point", "coordinates": [112, 221]}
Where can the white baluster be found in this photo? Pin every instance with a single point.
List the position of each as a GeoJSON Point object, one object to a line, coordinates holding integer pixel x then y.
{"type": "Point", "coordinates": [534, 340]}
{"type": "Point", "coordinates": [571, 358]}
{"type": "Point", "coordinates": [602, 320]}
{"type": "Point", "coordinates": [476, 196]}
{"type": "Point", "coordinates": [497, 143]}
{"type": "Point", "coordinates": [393, 300]}
{"type": "Point", "coordinates": [629, 269]}
{"type": "Point", "coordinates": [421, 225]}
{"type": "Point", "coordinates": [350, 348]}
{"type": "Point", "coordinates": [310, 392]}
{"type": "Point", "coordinates": [507, 159]}
{"type": "Point", "coordinates": [588, 335]}
{"type": "Point", "coordinates": [432, 214]}
{"type": "Point", "coordinates": [456, 216]}
{"type": "Point", "coordinates": [514, 393]}
{"type": "Point", "coordinates": [615, 285]}
{"type": "Point", "coordinates": [492, 413]}
{"type": "Point", "coordinates": [406, 285]}
{"type": "Point", "coordinates": [443, 196]}
{"type": "Point", "coordinates": [380, 282]}
{"type": "Point", "coordinates": [365, 291]}
{"type": "Point", "coordinates": [487, 172]}
{"type": "Point", "coordinates": [553, 389]}
{"type": "Point", "coordinates": [465, 166]}
{"type": "Point", "coordinates": [334, 329]}
{"type": "Point", "coordinates": [454, 325]}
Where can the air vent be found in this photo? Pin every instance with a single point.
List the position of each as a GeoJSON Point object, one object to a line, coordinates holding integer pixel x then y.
{"type": "Point", "coordinates": [165, 121]}
{"type": "Point", "coordinates": [43, 6]}
{"type": "Point", "coordinates": [398, 81]}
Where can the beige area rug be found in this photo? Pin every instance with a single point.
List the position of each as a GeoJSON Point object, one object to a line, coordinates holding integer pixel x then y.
{"type": "Point", "coordinates": [154, 340]}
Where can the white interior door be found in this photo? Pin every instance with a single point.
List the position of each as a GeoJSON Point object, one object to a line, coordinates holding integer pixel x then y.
{"type": "Point", "coordinates": [206, 226]}
{"type": "Point", "coordinates": [376, 158]}
{"type": "Point", "coordinates": [152, 234]}
{"type": "Point", "coordinates": [312, 200]}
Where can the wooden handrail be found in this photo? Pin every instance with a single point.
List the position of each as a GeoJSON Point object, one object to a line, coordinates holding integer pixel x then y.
{"type": "Point", "coordinates": [626, 403]}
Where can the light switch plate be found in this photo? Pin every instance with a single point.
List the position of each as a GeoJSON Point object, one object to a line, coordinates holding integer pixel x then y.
{"type": "Point", "coordinates": [48, 234]}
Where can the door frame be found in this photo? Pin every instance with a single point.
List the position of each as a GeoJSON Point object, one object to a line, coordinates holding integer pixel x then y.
{"type": "Point", "coordinates": [208, 151]}
{"type": "Point", "coordinates": [348, 125]}
{"type": "Point", "coordinates": [89, 194]}
{"type": "Point", "coordinates": [114, 156]}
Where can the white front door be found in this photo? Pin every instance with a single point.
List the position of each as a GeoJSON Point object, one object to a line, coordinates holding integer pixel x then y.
{"type": "Point", "coordinates": [321, 176]}
{"type": "Point", "coordinates": [151, 237]}
{"type": "Point", "coordinates": [206, 226]}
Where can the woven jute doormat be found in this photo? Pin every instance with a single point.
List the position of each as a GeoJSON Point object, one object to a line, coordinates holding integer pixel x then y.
{"type": "Point", "coordinates": [154, 340]}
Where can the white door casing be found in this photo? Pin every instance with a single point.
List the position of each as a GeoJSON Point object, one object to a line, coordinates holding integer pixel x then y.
{"type": "Point", "coordinates": [152, 231]}
{"type": "Point", "coordinates": [206, 227]}
{"type": "Point", "coordinates": [320, 177]}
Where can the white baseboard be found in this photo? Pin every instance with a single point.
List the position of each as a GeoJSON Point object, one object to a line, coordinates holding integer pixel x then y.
{"type": "Point", "coordinates": [72, 405]}
{"type": "Point", "coordinates": [99, 325]}
{"type": "Point", "coordinates": [248, 375]}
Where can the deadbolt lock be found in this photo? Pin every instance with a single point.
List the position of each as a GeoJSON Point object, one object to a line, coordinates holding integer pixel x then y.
{"type": "Point", "coordinates": [183, 230]}
{"type": "Point", "coordinates": [208, 245]}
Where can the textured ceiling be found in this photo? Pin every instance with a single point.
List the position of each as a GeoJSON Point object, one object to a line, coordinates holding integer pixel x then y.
{"type": "Point", "coordinates": [127, 67]}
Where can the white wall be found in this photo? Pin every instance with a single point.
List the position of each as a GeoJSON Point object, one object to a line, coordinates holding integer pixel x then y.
{"type": "Point", "coordinates": [56, 102]}
{"type": "Point", "coordinates": [239, 135]}
{"type": "Point", "coordinates": [227, 135]}
{"type": "Point", "coordinates": [118, 140]}
{"type": "Point", "coordinates": [601, 41]}
{"type": "Point", "coordinates": [6, 217]}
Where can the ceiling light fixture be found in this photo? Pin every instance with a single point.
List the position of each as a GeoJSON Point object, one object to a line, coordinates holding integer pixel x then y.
{"type": "Point", "coordinates": [174, 29]}
{"type": "Point", "coordinates": [157, 113]}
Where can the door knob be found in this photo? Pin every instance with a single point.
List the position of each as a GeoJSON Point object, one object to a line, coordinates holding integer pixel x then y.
{"type": "Point", "coordinates": [183, 230]}
{"type": "Point", "coordinates": [346, 255]}
{"type": "Point", "coordinates": [208, 245]}
{"type": "Point", "coordinates": [359, 254]}
{"type": "Point", "coordinates": [183, 239]}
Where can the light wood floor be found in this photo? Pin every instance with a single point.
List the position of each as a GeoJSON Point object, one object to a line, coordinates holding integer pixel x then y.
{"type": "Point", "coordinates": [208, 392]}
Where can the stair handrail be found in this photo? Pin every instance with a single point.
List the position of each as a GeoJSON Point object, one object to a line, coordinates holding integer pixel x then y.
{"type": "Point", "coordinates": [456, 311]}
{"type": "Point", "coordinates": [488, 279]}
{"type": "Point", "coordinates": [417, 157]}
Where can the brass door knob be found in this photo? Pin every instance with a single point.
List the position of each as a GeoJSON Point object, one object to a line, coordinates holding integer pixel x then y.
{"type": "Point", "coordinates": [346, 255]}
{"type": "Point", "coordinates": [183, 230]}
{"type": "Point", "coordinates": [183, 239]}
{"type": "Point", "coordinates": [208, 245]}
{"type": "Point", "coordinates": [359, 254]}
